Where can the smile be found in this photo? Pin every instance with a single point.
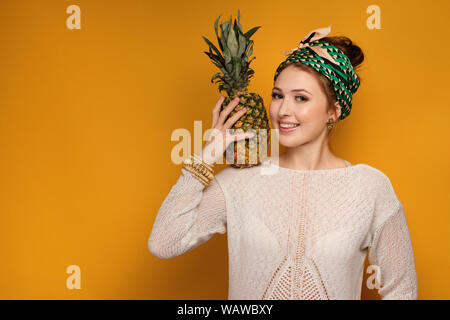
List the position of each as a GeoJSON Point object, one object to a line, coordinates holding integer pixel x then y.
{"type": "Point", "coordinates": [288, 126]}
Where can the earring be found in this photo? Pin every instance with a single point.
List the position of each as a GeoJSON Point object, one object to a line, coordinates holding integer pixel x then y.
{"type": "Point", "coordinates": [330, 123]}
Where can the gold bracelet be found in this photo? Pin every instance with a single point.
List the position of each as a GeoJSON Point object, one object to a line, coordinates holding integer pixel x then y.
{"type": "Point", "coordinates": [197, 160]}
{"type": "Point", "coordinates": [198, 176]}
{"type": "Point", "coordinates": [209, 166]}
{"type": "Point", "coordinates": [201, 170]}
{"type": "Point", "coordinates": [200, 173]}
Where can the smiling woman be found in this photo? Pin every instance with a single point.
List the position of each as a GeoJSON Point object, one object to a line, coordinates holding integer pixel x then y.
{"type": "Point", "coordinates": [313, 90]}
{"type": "Point", "coordinates": [303, 231]}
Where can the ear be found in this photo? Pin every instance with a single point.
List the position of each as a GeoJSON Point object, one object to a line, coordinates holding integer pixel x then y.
{"type": "Point", "coordinates": [337, 110]}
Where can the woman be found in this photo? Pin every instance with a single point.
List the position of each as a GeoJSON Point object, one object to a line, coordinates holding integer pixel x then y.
{"type": "Point", "coordinates": [303, 231]}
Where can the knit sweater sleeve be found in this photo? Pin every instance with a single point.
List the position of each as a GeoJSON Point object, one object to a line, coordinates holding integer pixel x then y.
{"type": "Point", "coordinates": [189, 216]}
{"type": "Point", "coordinates": [391, 250]}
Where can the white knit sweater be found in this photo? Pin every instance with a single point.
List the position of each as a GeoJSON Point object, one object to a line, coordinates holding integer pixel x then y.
{"type": "Point", "coordinates": [293, 234]}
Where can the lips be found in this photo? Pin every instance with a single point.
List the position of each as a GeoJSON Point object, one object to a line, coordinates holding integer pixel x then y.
{"type": "Point", "coordinates": [286, 126]}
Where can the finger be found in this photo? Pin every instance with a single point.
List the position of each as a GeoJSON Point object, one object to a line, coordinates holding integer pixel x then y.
{"type": "Point", "coordinates": [226, 111]}
{"type": "Point", "coordinates": [216, 110]}
{"type": "Point", "coordinates": [235, 117]}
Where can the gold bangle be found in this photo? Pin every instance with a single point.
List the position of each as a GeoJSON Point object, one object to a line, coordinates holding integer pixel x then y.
{"type": "Point", "coordinates": [198, 176]}
{"type": "Point", "coordinates": [198, 162]}
{"type": "Point", "coordinates": [201, 170]}
{"type": "Point", "coordinates": [209, 166]}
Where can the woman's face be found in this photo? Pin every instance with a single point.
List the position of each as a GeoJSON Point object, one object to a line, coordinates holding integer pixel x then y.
{"type": "Point", "coordinates": [298, 99]}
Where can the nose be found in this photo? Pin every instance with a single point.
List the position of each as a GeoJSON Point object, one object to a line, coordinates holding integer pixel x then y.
{"type": "Point", "coordinates": [285, 109]}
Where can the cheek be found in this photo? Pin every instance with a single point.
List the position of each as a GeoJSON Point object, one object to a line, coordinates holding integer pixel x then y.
{"type": "Point", "coordinates": [273, 112]}
{"type": "Point", "coordinates": [309, 113]}
{"type": "Point", "coordinates": [273, 109]}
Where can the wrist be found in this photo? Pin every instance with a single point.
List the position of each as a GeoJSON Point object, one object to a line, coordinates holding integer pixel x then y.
{"type": "Point", "coordinates": [201, 170]}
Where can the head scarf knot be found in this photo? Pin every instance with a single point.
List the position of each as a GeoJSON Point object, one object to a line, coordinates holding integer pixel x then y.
{"type": "Point", "coordinates": [328, 60]}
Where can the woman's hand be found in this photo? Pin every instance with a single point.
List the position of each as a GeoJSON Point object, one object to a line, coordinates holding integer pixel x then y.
{"type": "Point", "coordinates": [220, 137]}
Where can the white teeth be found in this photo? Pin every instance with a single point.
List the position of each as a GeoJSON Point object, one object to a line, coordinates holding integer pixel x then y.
{"type": "Point", "coordinates": [285, 125]}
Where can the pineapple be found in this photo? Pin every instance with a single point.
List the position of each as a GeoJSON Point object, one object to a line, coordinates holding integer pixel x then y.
{"type": "Point", "coordinates": [233, 61]}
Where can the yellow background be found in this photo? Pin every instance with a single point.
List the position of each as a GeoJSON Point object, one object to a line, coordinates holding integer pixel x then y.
{"type": "Point", "coordinates": [86, 118]}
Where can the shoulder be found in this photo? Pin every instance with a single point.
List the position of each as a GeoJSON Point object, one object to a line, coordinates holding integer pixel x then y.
{"type": "Point", "coordinates": [381, 189]}
{"type": "Point", "coordinates": [374, 178]}
{"type": "Point", "coordinates": [230, 176]}
{"type": "Point", "coordinates": [377, 188]}
{"type": "Point", "coordinates": [373, 172]}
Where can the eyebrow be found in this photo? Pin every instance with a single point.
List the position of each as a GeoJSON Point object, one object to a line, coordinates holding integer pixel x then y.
{"type": "Point", "coordinates": [294, 90]}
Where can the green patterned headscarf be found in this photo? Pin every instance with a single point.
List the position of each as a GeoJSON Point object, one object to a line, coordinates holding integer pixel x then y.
{"type": "Point", "coordinates": [329, 61]}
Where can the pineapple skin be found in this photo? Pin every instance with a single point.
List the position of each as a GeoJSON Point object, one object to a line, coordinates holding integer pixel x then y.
{"type": "Point", "coordinates": [255, 118]}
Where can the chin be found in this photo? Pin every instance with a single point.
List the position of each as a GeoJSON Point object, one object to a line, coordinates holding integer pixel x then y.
{"type": "Point", "coordinates": [291, 141]}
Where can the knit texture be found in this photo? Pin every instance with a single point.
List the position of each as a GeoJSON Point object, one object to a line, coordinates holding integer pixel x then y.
{"type": "Point", "coordinates": [293, 234]}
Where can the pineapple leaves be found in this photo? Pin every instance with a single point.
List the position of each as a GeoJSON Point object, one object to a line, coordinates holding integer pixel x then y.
{"type": "Point", "coordinates": [224, 30]}
{"type": "Point", "coordinates": [250, 49]}
{"type": "Point", "coordinates": [242, 45]}
{"type": "Point", "coordinates": [217, 75]}
{"type": "Point", "coordinates": [250, 73]}
{"type": "Point", "coordinates": [212, 47]}
{"type": "Point", "coordinates": [237, 68]}
{"type": "Point", "coordinates": [250, 32]}
{"type": "Point", "coordinates": [238, 23]}
{"type": "Point", "coordinates": [227, 55]}
{"type": "Point", "coordinates": [217, 60]}
{"type": "Point", "coordinates": [216, 23]}
{"type": "Point", "coordinates": [232, 43]}
{"type": "Point", "coordinates": [236, 28]}
{"type": "Point", "coordinates": [232, 54]}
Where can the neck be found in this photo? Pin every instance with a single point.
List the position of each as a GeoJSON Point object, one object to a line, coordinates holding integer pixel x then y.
{"type": "Point", "coordinates": [314, 155]}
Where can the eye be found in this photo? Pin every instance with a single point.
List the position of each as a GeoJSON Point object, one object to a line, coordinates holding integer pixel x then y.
{"type": "Point", "coordinates": [279, 96]}
{"type": "Point", "coordinates": [274, 95]}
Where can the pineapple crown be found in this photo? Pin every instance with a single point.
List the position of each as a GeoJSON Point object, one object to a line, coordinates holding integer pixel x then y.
{"type": "Point", "coordinates": [233, 57]}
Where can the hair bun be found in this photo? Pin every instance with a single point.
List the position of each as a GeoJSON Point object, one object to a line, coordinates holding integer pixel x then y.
{"type": "Point", "coordinates": [351, 50]}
